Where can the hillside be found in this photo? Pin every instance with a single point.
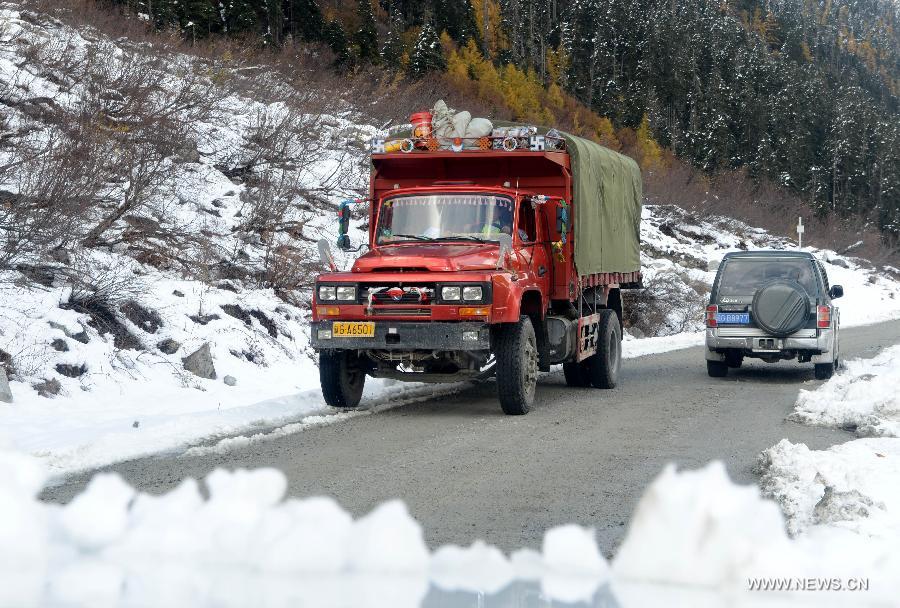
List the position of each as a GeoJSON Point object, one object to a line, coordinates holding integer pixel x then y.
{"type": "Point", "coordinates": [800, 93]}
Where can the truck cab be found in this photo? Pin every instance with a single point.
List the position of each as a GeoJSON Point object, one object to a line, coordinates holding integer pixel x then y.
{"type": "Point", "coordinates": [468, 273]}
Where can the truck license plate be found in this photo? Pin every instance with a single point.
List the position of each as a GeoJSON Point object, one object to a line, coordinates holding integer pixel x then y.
{"type": "Point", "coordinates": [354, 329]}
{"type": "Point", "coordinates": [733, 318]}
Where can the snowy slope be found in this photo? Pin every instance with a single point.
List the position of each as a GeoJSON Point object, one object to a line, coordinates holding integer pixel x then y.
{"type": "Point", "coordinates": [94, 386]}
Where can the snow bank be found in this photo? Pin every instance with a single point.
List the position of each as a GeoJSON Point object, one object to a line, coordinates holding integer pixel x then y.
{"type": "Point", "coordinates": [694, 532]}
{"type": "Point", "coordinates": [865, 397]}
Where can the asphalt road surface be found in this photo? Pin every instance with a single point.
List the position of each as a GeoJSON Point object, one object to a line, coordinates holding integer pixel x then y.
{"type": "Point", "coordinates": [582, 455]}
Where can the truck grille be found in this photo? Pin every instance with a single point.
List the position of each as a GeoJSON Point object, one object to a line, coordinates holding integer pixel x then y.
{"type": "Point", "coordinates": [405, 312]}
{"type": "Point", "coordinates": [397, 294]}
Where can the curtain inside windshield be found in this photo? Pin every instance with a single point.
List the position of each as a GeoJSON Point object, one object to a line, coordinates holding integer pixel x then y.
{"type": "Point", "coordinates": [476, 217]}
{"type": "Point", "coordinates": [744, 277]}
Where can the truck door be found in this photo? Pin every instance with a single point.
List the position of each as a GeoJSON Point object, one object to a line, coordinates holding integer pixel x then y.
{"type": "Point", "coordinates": [535, 242]}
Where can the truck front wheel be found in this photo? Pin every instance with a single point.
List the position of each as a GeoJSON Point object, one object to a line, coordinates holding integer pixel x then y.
{"type": "Point", "coordinates": [517, 366]}
{"type": "Point", "coordinates": [342, 378]}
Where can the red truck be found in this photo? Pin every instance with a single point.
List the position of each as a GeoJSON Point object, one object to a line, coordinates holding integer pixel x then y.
{"type": "Point", "coordinates": [501, 260]}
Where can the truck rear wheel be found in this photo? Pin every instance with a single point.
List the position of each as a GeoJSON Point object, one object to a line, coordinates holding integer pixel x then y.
{"type": "Point", "coordinates": [342, 378]}
{"type": "Point", "coordinates": [602, 368]}
{"type": "Point", "coordinates": [517, 366]}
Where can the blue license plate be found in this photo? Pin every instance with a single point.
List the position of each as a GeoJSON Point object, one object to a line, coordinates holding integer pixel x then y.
{"type": "Point", "coordinates": [733, 318]}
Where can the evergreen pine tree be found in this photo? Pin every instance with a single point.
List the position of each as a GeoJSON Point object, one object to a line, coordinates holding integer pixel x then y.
{"type": "Point", "coordinates": [336, 38]}
{"type": "Point", "coordinates": [428, 54]}
{"type": "Point", "coordinates": [392, 49]}
{"type": "Point", "coordinates": [304, 20]}
{"type": "Point", "coordinates": [240, 16]}
{"type": "Point", "coordinates": [366, 37]}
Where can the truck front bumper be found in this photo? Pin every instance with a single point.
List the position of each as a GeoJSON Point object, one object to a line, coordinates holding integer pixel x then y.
{"type": "Point", "coordinates": [820, 343]}
{"type": "Point", "coordinates": [408, 335]}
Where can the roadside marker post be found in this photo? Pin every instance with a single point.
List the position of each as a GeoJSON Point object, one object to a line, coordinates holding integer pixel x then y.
{"type": "Point", "coordinates": [800, 230]}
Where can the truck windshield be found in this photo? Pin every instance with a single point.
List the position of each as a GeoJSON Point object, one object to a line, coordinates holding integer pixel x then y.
{"type": "Point", "coordinates": [745, 276]}
{"type": "Point", "coordinates": [444, 217]}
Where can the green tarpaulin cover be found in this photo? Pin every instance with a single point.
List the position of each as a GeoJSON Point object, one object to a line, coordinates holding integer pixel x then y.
{"type": "Point", "coordinates": [607, 208]}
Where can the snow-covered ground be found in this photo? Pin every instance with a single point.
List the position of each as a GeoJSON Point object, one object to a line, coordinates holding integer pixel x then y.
{"type": "Point", "coordinates": [846, 496]}
{"type": "Point", "coordinates": [694, 537]}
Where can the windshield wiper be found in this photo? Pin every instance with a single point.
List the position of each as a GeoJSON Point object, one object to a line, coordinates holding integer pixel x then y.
{"type": "Point", "coordinates": [412, 236]}
{"type": "Point", "coordinates": [460, 238]}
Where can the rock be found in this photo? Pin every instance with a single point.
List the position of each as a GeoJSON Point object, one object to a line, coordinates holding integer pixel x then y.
{"type": "Point", "coordinates": [200, 363]}
{"type": "Point", "coordinates": [5, 391]}
{"type": "Point", "coordinates": [178, 294]}
{"type": "Point", "coordinates": [187, 152]}
{"type": "Point", "coordinates": [71, 371]}
{"type": "Point", "coordinates": [60, 345]}
{"type": "Point", "coordinates": [233, 310]}
{"type": "Point", "coordinates": [839, 262]}
{"type": "Point", "coordinates": [169, 346]}
{"type": "Point", "coordinates": [230, 380]}
{"type": "Point", "coordinates": [147, 320]}
{"type": "Point", "coordinates": [204, 319]}
{"type": "Point", "coordinates": [61, 255]}
{"type": "Point", "coordinates": [135, 424]}
{"type": "Point", "coordinates": [48, 388]}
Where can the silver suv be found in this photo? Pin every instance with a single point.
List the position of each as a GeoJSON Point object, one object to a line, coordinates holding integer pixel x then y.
{"type": "Point", "coordinates": [774, 306]}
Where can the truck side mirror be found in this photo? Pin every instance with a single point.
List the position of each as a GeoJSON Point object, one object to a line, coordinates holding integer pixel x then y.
{"type": "Point", "coordinates": [836, 292]}
{"type": "Point", "coordinates": [562, 218]}
{"type": "Point", "coordinates": [343, 241]}
{"type": "Point", "coordinates": [325, 255]}
{"type": "Point", "coordinates": [505, 242]}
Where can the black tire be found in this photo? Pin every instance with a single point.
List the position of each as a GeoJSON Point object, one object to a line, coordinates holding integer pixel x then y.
{"type": "Point", "coordinates": [576, 375]}
{"type": "Point", "coordinates": [734, 359]}
{"type": "Point", "coordinates": [342, 378]}
{"type": "Point", "coordinates": [602, 368]}
{"type": "Point", "coordinates": [716, 369]}
{"type": "Point", "coordinates": [517, 366]}
{"type": "Point", "coordinates": [780, 307]}
{"type": "Point", "coordinates": [824, 371]}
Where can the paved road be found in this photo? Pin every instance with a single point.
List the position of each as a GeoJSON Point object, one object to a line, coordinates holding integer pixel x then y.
{"type": "Point", "coordinates": [581, 455]}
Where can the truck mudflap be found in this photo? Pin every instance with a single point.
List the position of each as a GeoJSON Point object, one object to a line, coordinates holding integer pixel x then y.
{"type": "Point", "coordinates": [406, 335]}
{"type": "Point", "coordinates": [588, 330]}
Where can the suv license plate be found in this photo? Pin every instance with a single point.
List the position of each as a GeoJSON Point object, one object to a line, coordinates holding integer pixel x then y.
{"type": "Point", "coordinates": [733, 318]}
{"type": "Point", "coordinates": [355, 329]}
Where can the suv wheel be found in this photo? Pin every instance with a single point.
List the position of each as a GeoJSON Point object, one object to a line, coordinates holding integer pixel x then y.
{"type": "Point", "coordinates": [342, 378]}
{"type": "Point", "coordinates": [717, 369]}
{"type": "Point", "coordinates": [824, 371]}
{"type": "Point", "coordinates": [517, 366]}
{"type": "Point", "coordinates": [734, 358]}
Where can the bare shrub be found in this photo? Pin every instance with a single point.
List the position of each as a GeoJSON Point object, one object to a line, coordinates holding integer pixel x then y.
{"type": "Point", "coordinates": [668, 303]}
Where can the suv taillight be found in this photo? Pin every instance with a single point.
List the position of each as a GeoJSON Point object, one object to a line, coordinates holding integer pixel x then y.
{"type": "Point", "coordinates": [823, 318]}
{"type": "Point", "coordinates": [711, 316]}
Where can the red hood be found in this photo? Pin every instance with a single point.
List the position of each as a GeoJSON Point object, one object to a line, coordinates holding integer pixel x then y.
{"type": "Point", "coordinates": [432, 257]}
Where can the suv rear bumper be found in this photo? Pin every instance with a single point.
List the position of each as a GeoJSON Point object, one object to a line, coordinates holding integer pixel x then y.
{"type": "Point", "coordinates": [820, 343]}
{"type": "Point", "coordinates": [409, 335]}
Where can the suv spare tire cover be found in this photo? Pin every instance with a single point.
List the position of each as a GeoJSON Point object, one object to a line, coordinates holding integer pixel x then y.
{"type": "Point", "coordinates": [780, 308]}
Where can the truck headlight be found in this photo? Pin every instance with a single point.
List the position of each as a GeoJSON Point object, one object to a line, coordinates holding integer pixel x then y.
{"type": "Point", "coordinates": [472, 293]}
{"type": "Point", "coordinates": [451, 293]}
{"type": "Point", "coordinates": [346, 293]}
{"type": "Point", "coordinates": [326, 292]}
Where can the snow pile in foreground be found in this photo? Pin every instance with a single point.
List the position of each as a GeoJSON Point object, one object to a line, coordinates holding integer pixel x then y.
{"type": "Point", "coordinates": [113, 545]}
{"type": "Point", "coordinates": [847, 497]}
{"type": "Point", "coordinates": [865, 398]}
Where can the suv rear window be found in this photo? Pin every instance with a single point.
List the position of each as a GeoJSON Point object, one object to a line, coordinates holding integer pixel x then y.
{"type": "Point", "coordinates": [743, 276]}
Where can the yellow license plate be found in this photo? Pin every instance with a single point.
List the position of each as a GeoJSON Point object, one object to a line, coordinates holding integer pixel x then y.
{"type": "Point", "coordinates": [347, 329]}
